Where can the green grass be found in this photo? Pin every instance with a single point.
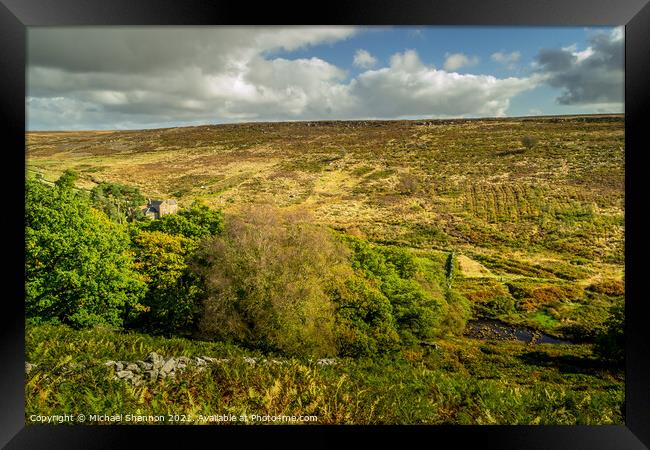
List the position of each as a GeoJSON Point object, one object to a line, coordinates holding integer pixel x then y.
{"type": "Point", "coordinates": [547, 223]}
{"type": "Point", "coordinates": [463, 382]}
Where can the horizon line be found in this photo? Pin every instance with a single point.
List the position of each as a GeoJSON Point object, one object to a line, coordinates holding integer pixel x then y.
{"type": "Point", "coordinates": [542, 116]}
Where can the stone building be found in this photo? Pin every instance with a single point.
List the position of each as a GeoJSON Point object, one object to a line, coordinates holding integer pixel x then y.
{"type": "Point", "coordinates": [155, 209]}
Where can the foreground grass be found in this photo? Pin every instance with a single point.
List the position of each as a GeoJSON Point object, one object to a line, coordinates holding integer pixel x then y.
{"type": "Point", "coordinates": [462, 382]}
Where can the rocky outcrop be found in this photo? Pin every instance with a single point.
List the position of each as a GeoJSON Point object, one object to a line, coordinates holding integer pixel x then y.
{"type": "Point", "coordinates": [155, 367]}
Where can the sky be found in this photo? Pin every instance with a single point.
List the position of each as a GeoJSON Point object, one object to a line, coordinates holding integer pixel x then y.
{"type": "Point", "coordinates": [91, 78]}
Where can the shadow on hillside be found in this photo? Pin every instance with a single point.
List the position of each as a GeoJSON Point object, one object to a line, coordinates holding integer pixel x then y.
{"type": "Point", "coordinates": [567, 363]}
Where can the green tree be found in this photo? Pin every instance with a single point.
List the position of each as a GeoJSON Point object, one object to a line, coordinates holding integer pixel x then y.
{"type": "Point", "coordinates": [267, 279]}
{"type": "Point", "coordinates": [67, 179]}
{"type": "Point", "coordinates": [78, 269]}
{"type": "Point", "coordinates": [416, 312]}
{"type": "Point", "coordinates": [196, 222]}
{"type": "Point", "coordinates": [174, 293]}
{"type": "Point", "coordinates": [364, 317]}
{"type": "Point", "coordinates": [118, 201]}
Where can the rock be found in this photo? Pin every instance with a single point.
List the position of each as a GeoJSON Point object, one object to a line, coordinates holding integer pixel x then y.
{"type": "Point", "coordinates": [29, 367]}
{"type": "Point", "coordinates": [326, 361]}
{"type": "Point", "coordinates": [249, 360]}
{"type": "Point", "coordinates": [152, 374]}
{"type": "Point", "coordinates": [169, 366]}
{"type": "Point", "coordinates": [144, 365]}
{"type": "Point", "coordinates": [200, 361]}
{"type": "Point", "coordinates": [183, 359]}
{"type": "Point", "coordinates": [132, 367]}
{"type": "Point", "coordinates": [109, 363]}
{"type": "Point", "coordinates": [119, 366]}
{"type": "Point", "coordinates": [155, 359]}
{"type": "Point", "coordinates": [215, 360]}
{"type": "Point", "coordinates": [276, 362]}
{"type": "Point", "coordinates": [124, 374]}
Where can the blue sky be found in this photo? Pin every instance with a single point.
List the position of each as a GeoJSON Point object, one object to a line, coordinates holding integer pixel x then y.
{"type": "Point", "coordinates": [105, 78]}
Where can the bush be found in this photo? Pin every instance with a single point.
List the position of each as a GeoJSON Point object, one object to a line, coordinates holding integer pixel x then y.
{"type": "Point", "coordinates": [611, 287]}
{"type": "Point", "coordinates": [610, 344]}
{"type": "Point", "coordinates": [417, 313]}
{"type": "Point", "coordinates": [364, 318]}
{"type": "Point", "coordinates": [455, 314]}
{"type": "Point", "coordinates": [267, 278]}
{"type": "Point", "coordinates": [529, 141]}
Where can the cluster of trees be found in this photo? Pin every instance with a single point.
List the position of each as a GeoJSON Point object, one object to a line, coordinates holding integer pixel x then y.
{"type": "Point", "coordinates": [91, 259]}
{"type": "Point", "coordinates": [263, 278]}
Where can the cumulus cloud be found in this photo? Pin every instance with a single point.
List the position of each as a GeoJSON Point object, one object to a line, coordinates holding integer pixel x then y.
{"type": "Point", "coordinates": [410, 88]}
{"type": "Point", "coordinates": [364, 59]}
{"type": "Point", "coordinates": [507, 59]}
{"type": "Point", "coordinates": [592, 76]}
{"type": "Point", "coordinates": [455, 61]}
{"type": "Point", "coordinates": [93, 78]}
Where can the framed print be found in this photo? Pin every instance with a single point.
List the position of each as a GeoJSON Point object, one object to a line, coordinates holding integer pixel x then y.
{"type": "Point", "coordinates": [382, 221]}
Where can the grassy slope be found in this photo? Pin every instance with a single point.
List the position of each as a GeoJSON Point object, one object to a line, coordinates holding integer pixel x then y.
{"type": "Point", "coordinates": [464, 382]}
{"type": "Point", "coordinates": [537, 230]}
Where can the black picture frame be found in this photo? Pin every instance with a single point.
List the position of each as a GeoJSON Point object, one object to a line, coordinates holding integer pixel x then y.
{"type": "Point", "coordinates": [16, 15]}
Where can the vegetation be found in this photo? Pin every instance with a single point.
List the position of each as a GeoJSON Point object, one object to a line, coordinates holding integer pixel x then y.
{"type": "Point", "coordinates": [371, 242]}
{"type": "Point", "coordinates": [529, 141]}
{"type": "Point", "coordinates": [267, 277]}
{"type": "Point", "coordinates": [78, 269]}
{"type": "Point", "coordinates": [194, 223]}
{"type": "Point", "coordinates": [119, 202]}
{"type": "Point", "coordinates": [174, 292]}
{"type": "Point", "coordinates": [462, 382]}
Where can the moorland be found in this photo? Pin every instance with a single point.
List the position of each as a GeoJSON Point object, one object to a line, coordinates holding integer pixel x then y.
{"type": "Point", "coordinates": [388, 268]}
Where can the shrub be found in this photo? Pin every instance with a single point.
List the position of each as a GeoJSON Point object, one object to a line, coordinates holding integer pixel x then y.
{"type": "Point", "coordinates": [267, 280]}
{"type": "Point", "coordinates": [529, 141]}
{"type": "Point", "coordinates": [67, 179]}
{"type": "Point", "coordinates": [364, 318]}
{"type": "Point", "coordinates": [609, 287]}
{"type": "Point", "coordinates": [400, 260]}
{"type": "Point", "coordinates": [455, 314]}
{"type": "Point", "coordinates": [417, 313]}
{"type": "Point", "coordinates": [610, 344]}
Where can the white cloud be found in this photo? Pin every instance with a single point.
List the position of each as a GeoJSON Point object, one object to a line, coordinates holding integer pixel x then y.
{"type": "Point", "coordinates": [507, 59]}
{"type": "Point", "coordinates": [94, 78]}
{"type": "Point", "coordinates": [409, 88]}
{"type": "Point", "coordinates": [618, 34]}
{"type": "Point", "coordinates": [455, 61]}
{"type": "Point", "coordinates": [364, 59]}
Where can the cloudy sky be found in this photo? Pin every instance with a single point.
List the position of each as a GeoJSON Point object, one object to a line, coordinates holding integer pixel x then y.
{"type": "Point", "coordinates": [149, 77]}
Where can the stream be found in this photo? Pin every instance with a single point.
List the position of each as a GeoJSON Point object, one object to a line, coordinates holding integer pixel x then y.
{"type": "Point", "coordinates": [491, 329]}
